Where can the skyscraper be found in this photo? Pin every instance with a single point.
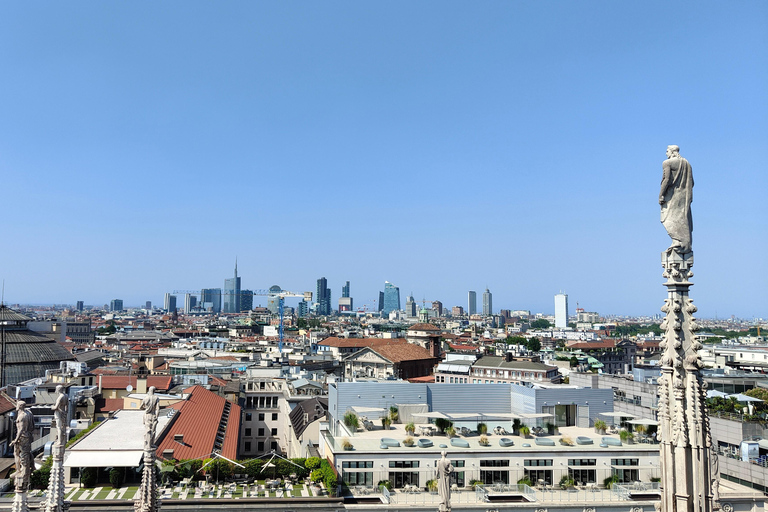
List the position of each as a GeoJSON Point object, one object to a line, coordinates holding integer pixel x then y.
{"type": "Point", "coordinates": [561, 311]}
{"type": "Point", "coordinates": [210, 298]}
{"type": "Point", "coordinates": [345, 301]}
{"type": "Point", "coordinates": [323, 297]}
{"type": "Point", "coordinates": [380, 305]}
{"type": "Point", "coordinates": [246, 300]}
{"type": "Point", "coordinates": [487, 303]}
{"type": "Point", "coordinates": [190, 301]}
{"type": "Point", "coordinates": [116, 305]}
{"type": "Point", "coordinates": [170, 303]}
{"type": "Point", "coordinates": [472, 307]}
{"type": "Point", "coordinates": [410, 307]}
{"type": "Point", "coordinates": [391, 298]}
{"type": "Point", "coordinates": [232, 293]}
{"type": "Point", "coordinates": [148, 304]}
{"type": "Point", "coordinates": [345, 290]}
{"type": "Point", "coordinates": [79, 305]}
{"type": "Point", "coordinates": [303, 308]}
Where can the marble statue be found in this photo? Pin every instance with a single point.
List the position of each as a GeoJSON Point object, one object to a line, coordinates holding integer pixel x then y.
{"type": "Point", "coordinates": [151, 407]}
{"type": "Point", "coordinates": [22, 446]}
{"type": "Point", "coordinates": [444, 470]}
{"type": "Point", "coordinates": [675, 199]}
{"type": "Point", "coordinates": [55, 501]}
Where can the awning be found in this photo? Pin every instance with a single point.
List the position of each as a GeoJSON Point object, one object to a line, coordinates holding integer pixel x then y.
{"type": "Point", "coordinates": [433, 414]}
{"type": "Point", "coordinates": [643, 421]}
{"type": "Point", "coordinates": [103, 459]}
{"type": "Point", "coordinates": [533, 415]}
{"type": "Point", "coordinates": [359, 409]}
{"type": "Point", "coordinates": [712, 393]}
{"type": "Point", "coordinates": [618, 415]}
{"type": "Point", "coordinates": [744, 398]}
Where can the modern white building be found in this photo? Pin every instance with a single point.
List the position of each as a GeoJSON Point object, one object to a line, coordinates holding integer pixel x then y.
{"type": "Point", "coordinates": [487, 303]}
{"type": "Point", "coordinates": [561, 311]}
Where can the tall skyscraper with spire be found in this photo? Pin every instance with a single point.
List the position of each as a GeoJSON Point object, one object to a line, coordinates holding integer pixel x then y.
{"type": "Point", "coordinates": [232, 293]}
{"type": "Point", "coordinates": [487, 303]}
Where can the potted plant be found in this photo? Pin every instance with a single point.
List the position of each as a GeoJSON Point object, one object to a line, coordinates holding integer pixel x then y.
{"type": "Point", "coordinates": [641, 430]}
{"type": "Point", "coordinates": [626, 437]}
{"type": "Point", "coordinates": [410, 428]}
{"type": "Point", "coordinates": [608, 482]}
{"type": "Point", "coordinates": [482, 428]}
{"type": "Point", "coordinates": [351, 421]}
{"type": "Point", "coordinates": [516, 424]}
{"type": "Point", "coordinates": [567, 481]}
{"type": "Point", "coordinates": [386, 422]}
{"type": "Point", "coordinates": [566, 441]}
{"type": "Point", "coordinates": [551, 429]}
{"type": "Point", "coordinates": [525, 431]}
{"type": "Point", "coordinates": [408, 441]}
{"type": "Point", "coordinates": [394, 414]}
{"type": "Point", "coordinates": [442, 424]}
{"type": "Point", "coordinates": [484, 440]}
{"type": "Point", "coordinates": [346, 444]}
{"type": "Point", "coordinates": [450, 432]}
{"type": "Point", "coordinates": [432, 485]}
{"type": "Point", "coordinates": [525, 481]}
{"type": "Point", "coordinates": [600, 427]}
{"type": "Point", "coordinates": [475, 483]}
{"type": "Point", "coordinates": [387, 484]}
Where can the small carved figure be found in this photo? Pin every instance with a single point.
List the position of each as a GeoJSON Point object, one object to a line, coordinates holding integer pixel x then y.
{"type": "Point", "coordinates": [444, 470]}
{"type": "Point", "coordinates": [675, 199]}
{"type": "Point", "coordinates": [151, 407]}
{"type": "Point", "coordinates": [22, 445]}
{"type": "Point", "coordinates": [60, 413]}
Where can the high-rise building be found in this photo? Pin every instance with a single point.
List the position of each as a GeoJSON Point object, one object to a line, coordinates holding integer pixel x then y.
{"type": "Point", "coordinates": [457, 311]}
{"type": "Point", "coordinates": [561, 311]}
{"type": "Point", "coordinates": [246, 300]}
{"type": "Point", "coordinates": [190, 302]}
{"type": "Point", "coordinates": [303, 308]}
{"type": "Point", "coordinates": [345, 290]}
{"type": "Point", "coordinates": [437, 307]}
{"type": "Point", "coordinates": [391, 298]}
{"type": "Point", "coordinates": [210, 299]}
{"type": "Point", "coordinates": [472, 306]}
{"type": "Point", "coordinates": [380, 306]}
{"type": "Point", "coordinates": [116, 305]}
{"type": "Point", "coordinates": [232, 293]}
{"type": "Point", "coordinates": [148, 304]}
{"type": "Point", "coordinates": [79, 306]}
{"type": "Point", "coordinates": [345, 304]}
{"type": "Point", "coordinates": [323, 297]}
{"type": "Point", "coordinates": [273, 299]}
{"type": "Point", "coordinates": [169, 305]}
{"type": "Point", "coordinates": [487, 303]}
{"type": "Point", "coordinates": [410, 308]}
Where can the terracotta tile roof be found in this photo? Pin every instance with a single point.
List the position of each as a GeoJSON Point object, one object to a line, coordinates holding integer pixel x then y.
{"type": "Point", "coordinates": [591, 345]}
{"type": "Point", "coordinates": [423, 327]}
{"type": "Point", "coordinates": [6, 403]}
{"type": "Point", "coordinates": [198, 420]}
{"type": "Point", "coordinates": [162, 383]}
{"type": "Point", "coordinates": [402, 352]}
{"type": "Point", "coordinates": [108, 404]}
{"type": "Point", "coordinates": [426, 378]}
{"type": "Point", "coordinates": [456, 346]}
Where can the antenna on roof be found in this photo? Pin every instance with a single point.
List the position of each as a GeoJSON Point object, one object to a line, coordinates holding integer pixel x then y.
{"type": "Point", "coordinates": [2, 297]}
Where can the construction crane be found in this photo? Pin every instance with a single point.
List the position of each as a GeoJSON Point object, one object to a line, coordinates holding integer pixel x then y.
{"type": "Point", "coordinates": [281, 295]}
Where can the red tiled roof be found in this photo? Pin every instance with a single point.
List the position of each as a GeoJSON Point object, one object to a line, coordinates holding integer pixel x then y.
{"type": "Point", "coordinates": [109, 404]}
{"type": "Point", "coordinates": [423, 327]}
{"type": "Point", "coordinates": [426, 378]}
{"type": "Point", "coordinates": [162, 383]}
{"type": "Point", "coordinates": [456, 346]}
{"type": "Point", "coordinates": [591, 345]}
{"type": "Point", "coordinates": [402, 352]}
{"type": "Point", "coordinates": [198, 421]}
{"type": "Point", "coordinates": [6, 403]}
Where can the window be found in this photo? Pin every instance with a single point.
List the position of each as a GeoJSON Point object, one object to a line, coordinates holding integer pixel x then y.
{"type": "Point", "coordinates": [358, 478]}
{"type": "Point", "coordinates": [535, 462]}
{"type": "Point", "coordinates": [403, 464]}
{"type": "Point", "coordinates": [248, 416]}
{"type": "Point", "coordinates": [247, 432]}
{"type": "Point", "coordinates": [579, 470]}
{"type": "Point", "coordinates": [247, 446]}
{"type": "Point", "coordinates": [494, 476]}
{"type": "Point", "coordinates": [261, 416]}
{"type": "Point", "coordinates": [261, 432]}
{"type": "Point", "coordinates": [357, 464]}
{"type": "Point", "coordinates": [274, 416]}
{"type": "Point", "coordinates": [274, 431]}
{"type": "Point", "coordinates": [261, 446]}
{"type": "Point", "coordinates": [400, 479]}
{"type": "Point", "coordinates": [273, 445]}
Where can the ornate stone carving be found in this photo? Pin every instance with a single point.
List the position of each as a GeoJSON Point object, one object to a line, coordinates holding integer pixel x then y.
{"type": "Point", "coordinates": [636, 509]}
{"type": "Point", "coordinates": [55, 501]}
{"type": "Point", "coordinates": [146, 499]}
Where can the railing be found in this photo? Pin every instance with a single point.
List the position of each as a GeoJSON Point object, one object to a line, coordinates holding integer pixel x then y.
{"type": "Point", "coordinates": [625, 491]}
{"type": "Point", "coordinates": [386, 495]}
{"type": "Point", "coordinates": [514, 489]}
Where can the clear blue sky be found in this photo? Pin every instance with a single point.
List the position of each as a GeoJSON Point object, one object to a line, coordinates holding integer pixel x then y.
{"type": "Point", "coordinates": [443, 146]}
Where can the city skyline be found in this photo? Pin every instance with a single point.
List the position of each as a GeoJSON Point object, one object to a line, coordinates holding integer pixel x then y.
{"type": "Point", "coordinates": [531, 151]}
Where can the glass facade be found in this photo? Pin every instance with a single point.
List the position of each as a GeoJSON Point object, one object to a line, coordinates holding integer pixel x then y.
{"type": "Point", "coordinates": [391, 298]}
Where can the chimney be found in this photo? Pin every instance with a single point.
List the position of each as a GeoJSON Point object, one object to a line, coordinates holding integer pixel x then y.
{"type": "Point", "coordinates": [141, 385]}
{"type": "Point", "coordinates": [508, 357]}
{"type": "Point", "coordinates": [100, 383]}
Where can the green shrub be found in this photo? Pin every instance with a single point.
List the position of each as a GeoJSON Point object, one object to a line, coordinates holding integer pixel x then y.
{"type": "Point", "coordinates": [525, 481]}
{"type": "Point", "coordinates": [442, 423]}
{"type": "Point", "coordinates": [116, 477]}
{"type": "Point", "coordinates": [567, 481]}
{"type": "Point", "coordinates": [386, 483]}
{"type": "Point", "coordinates": [40, 477]}
{"type": "Point", "coordinates": [432, 485]}
{"type": "Point", "coordinates": [88, 477]}
{"type": "Point", "coordinates": [608, 482]}
{"type": "Point", "coordinates": [312, 463]}
{"type": "Point", "coordinates": [482, 428]}
{"type": "Point", "coordinates": [475, 483]}
{"type": "Point", "coordinates": [351, 420]}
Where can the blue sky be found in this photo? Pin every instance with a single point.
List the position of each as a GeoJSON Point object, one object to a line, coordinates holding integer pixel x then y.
{"type": "Point", "coordinates": [443, 146]}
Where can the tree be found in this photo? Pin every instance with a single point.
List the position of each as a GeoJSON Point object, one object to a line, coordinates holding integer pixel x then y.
{"type": "Point", "coordinates": [516, 340]}
{"type": "Point", "coordinates": [574, 362]}
{"type": "Point", "coordinates": [540, 324]}
{"type": "Point", "coordinates": [533, 344]}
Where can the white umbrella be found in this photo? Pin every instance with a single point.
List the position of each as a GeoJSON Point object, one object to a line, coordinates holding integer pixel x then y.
{"type": "Point", "coordinates": [643, 421]}
{"type": "Point", "coordinates": [618, 415]}
{"type": "Point", "coordinates": [537, 415]}
{"type": "Point", "coordinates": [359, 409]}
{"type": "Point", "coordinates": [712, 393]}
{"type": "Point", "coordinates": [744, 398]}
{"type": "Point", "coordinates": [433, 414]}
